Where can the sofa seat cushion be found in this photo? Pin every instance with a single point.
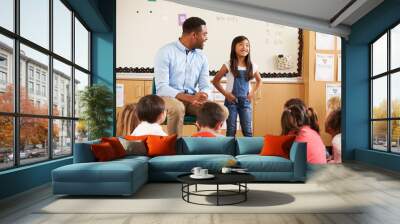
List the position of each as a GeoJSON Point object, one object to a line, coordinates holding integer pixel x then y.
{"type": "Point", "coordinates": [133, 158]}
{"type": "Point", "coordinates": [112, 171]}
{"type": "Point", "coordinates": [185, 163]}
{"type": "Point", "coordinates": [257, 163]}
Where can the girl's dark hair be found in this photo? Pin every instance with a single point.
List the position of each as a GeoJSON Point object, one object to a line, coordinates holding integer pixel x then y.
{"type": "Point", "coordinates": [234, 61]}
{"type": "Point", "coordinates": [333, 122]}
{"type": "Point", "coordinates": [313, 119]}
{"type": "Point", "coordinates": [292, 119]}
{"type": "Point", "coordinates": [295, 101]}
{"type": "Point", "coordinates": [150, 107]}
{"type": "Point", "coordinates": [312, 116]}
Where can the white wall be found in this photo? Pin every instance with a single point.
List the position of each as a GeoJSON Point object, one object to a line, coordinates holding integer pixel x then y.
{"type": "Point", "coordinates": [145, 26]}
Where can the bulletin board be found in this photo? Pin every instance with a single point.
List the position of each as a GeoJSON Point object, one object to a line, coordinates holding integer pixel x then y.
{"type": "Point", "coordinates": [145, 26]}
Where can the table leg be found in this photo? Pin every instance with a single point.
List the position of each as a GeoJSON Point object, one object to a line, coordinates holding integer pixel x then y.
{"type": "Point", "coordinates": [245, 193]}
{"type": "Point", "coordinates": [196, 188]}
{"type": "Point", "coordinates": [188, 190]}
{"type": "Point", "coordinates": [217, 194]}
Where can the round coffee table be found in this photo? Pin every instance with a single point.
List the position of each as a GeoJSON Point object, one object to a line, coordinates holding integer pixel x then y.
{"type": "Point", "coordinates": [238, 179]}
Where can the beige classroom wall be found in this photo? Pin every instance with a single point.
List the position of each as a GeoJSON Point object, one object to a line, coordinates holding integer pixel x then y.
{"type": "Point", "coordinates": [269, 103]}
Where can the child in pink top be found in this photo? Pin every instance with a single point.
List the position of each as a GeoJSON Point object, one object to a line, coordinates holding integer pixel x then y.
{"type": "Point", "coordinates": [316, 153]}
{"type": "Point", "coordinates": [295, 121]}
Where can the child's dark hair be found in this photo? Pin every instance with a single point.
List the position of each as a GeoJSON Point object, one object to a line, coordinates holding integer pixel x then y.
{"type": "Point", "coordinates": [292, 119]}
{"type": "Point", "coordinates": [210, 114]}
{"type": "Point", "coordinates": [333, 122]}
{"type": "Point", "coordinates": [234, 61]}
{"type": "Point", "coordinates": [312, 116]}
{"type": "Point", "coordinates": [150, 107]}
{"type": "Point", "coordinates": [192, 24]}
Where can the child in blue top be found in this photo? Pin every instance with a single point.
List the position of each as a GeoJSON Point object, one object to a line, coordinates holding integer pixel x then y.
{"type": "Point", "coordinates": [239, 71]}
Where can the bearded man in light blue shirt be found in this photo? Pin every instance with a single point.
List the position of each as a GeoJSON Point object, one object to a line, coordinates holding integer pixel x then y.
{"type": "Point", "coordinates": [182, 75]}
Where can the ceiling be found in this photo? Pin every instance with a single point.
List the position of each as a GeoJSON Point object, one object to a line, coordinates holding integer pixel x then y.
{"type": "Point", "coordinates": [326, 16]}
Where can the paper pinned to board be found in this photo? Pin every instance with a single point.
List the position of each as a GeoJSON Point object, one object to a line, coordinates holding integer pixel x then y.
{"type": "Point", "coordinates": [324, 67]}
{"type": "Point", "coordinates": [120, 95]}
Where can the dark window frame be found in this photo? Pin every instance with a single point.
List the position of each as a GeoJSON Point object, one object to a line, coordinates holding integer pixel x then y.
{"type": "Point", "coordinates": [388, 74]}
{"type": "Point", "coordinates": [16, 114]}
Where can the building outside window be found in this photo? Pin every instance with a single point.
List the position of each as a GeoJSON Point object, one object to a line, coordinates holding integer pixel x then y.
{"type": "Point", "coordinates": [38, 89]}
{"type": "Point", "coordinates": [43, 78]}
{"type": "Point", "coordinates": [34, 75]}
{"type": "Point", "coordinates": [3, 72]}
{"type": "Point", "coordinates": [30, 87]}
{"type": "Point", "coordinates": [43, 90]}
{"type": "Point", "coordinates": [30, 72]}
{"type": "Point", "coordinates": [3, 78]}
{"type": "Point", "coordinates": [37, 75]}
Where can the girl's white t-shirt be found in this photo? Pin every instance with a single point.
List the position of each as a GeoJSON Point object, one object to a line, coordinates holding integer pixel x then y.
{"type": "Point", "coordinates": [230, 78]}
{"type": "Point", "coordinates": [337, 149]}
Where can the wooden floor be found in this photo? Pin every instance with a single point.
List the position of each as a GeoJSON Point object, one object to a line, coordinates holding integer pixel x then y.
{"type": "Point", "coordinates": [378, 188]}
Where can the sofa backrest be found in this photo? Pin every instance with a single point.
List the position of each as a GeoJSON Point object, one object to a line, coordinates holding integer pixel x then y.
{"type": "Point", "coordinates": [198, 145]}
{"type": "Point", "coordinates": [83, 152]}
{"type": "Point", "coordinates": [249, 145]}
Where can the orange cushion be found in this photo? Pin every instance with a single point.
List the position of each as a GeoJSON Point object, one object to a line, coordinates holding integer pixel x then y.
{"type": "Point", "coordinates": [103, 151]}
{"type": "Point", "coordinates": [277, 145]}
{"type": "Point", "coordinates": [116, 145]}
{"type": "Point", "coordinates": [161, 145]}
{"type": "Point", "coordinates": [136, 138]}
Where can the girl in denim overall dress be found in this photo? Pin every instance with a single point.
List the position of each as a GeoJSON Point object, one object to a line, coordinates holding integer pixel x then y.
{"type": "Point", "coordinates": [239, 71]}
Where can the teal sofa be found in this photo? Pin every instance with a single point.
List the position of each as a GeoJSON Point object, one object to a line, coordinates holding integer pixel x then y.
{"type": "Point", "coordinates": [125, 176]}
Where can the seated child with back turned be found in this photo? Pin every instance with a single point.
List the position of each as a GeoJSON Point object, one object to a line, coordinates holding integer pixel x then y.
{"type": "Point", "coordinates": [151, 113]}
{"type": "Point", "coordinates": [210, 119]}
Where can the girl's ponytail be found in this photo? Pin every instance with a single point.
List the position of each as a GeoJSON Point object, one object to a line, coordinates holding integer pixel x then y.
{"type": "Point", "coordinates": [313, 119]}
{"type": "Point", "coordinates": [292, 119]}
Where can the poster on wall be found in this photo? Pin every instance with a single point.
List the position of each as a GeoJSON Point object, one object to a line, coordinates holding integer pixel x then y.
{"type": "Point", "coordinates": [333, 97]}
{"type": "Point", "coordinates": [120, 95]}
{"type": "Point", "coordinates": [324, 67]}
{"type": "Point", "coordinates": [324, 41]}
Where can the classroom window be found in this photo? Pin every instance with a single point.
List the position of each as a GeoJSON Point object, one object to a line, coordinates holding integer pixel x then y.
{"type": "Point", "coordinates": [7, 14]}
{"type": "Point", "coordinates": [81, 45]}
{"type": "Point", "coordinates": [385, 96]}
{"type": "Point", "coordinates": [62, 31]}
{"type": "Point", "coordinates": [6, 73]}
{"type": "Point", "coordinates": [34, 21]}
{"type": "Point", "coordinates": [45, 118]}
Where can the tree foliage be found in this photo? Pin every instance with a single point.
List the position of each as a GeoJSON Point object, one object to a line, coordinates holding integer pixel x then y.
{"type": "Point", "coordinates": [380, 127]}
{"type": "Point", "coordinates": [33, 130]}
{"type": "Point", "coordinates": [97, 102]}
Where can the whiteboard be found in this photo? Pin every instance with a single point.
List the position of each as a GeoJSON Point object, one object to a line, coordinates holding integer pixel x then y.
{"type": "Point", "coordinates": [145, 26]}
